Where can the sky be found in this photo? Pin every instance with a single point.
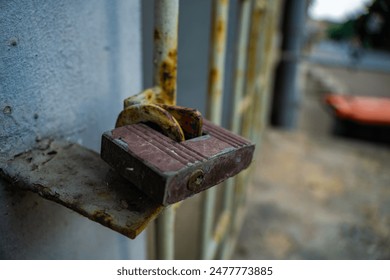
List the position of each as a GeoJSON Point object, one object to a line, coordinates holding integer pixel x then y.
{"type": "Point", "coordinates": [336, 10]}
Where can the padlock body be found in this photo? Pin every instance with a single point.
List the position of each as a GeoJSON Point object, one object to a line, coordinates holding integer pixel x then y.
{"type": "Point", "coordinates": [169, 171]}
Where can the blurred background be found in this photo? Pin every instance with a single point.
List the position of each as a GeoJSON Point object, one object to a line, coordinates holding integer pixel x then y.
{"type": "Point", "coordinates": [322, 190]}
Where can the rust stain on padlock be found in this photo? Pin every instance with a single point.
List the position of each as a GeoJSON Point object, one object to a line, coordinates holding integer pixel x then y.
{"type": "Point", "coordinates": [148, 96]}
{"type": "Point", "coordinates": [154, 114]}
{"type": "Point", "coordinates": [136, 110]}
{"type": "Point", "coordinates": [190, 120]}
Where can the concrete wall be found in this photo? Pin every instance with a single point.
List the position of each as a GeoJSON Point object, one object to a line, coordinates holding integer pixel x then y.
{"type": "Point", "coordinates": [65, 67]}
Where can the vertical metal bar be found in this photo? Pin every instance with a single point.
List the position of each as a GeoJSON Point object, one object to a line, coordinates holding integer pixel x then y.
{"type": "Point", "coordinates": [217, 59]}
{"type": "Point", "coordinates": [261, 62]}
{"type": "Point", "coordinates": [166, 16]}
{"type": "Point", "coordinates": [252, 67]}
{"type": "Point", "coordinates": [165, 224]}
{"type": "Point", "coordinates": [264, 82]}
{"type": "Point", "coordinates": [214, 111]}
{"type": "Point", "coordinates": [246, 108]}
{"type": "Point", "coordinates": [257, 98]}
{"type": "Point", "coordinates": [239, 86]}
{"type": "Point", "coordinates": [242, 56]}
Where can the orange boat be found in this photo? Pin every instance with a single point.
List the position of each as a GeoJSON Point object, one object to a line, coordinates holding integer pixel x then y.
{"type": "Point", "coordinates": [360, 109]}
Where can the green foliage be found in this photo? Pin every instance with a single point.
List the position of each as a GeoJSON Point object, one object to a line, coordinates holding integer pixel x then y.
{"type": "Point", "coordinates": [342, 31]}
{"type": "Point", "coordinates": [360, 27]}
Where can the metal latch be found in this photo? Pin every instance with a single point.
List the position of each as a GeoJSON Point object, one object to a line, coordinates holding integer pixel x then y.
{"type": "Point", "coordinates": [169, 152]}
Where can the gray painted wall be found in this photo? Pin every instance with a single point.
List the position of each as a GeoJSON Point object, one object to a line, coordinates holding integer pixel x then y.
{"type": "Point", "coordinates": [65, 67]}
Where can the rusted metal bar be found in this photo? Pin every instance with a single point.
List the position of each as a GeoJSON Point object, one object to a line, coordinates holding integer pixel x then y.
{"type": "Point", "coordinates": [239, 86]}
{"type": "Point", "coordinates": [255, 50]}
{"type": "Point", "coordinates": [241, 57]}
{"type": "Point", "coordinates": [220, 10]}
{"type": "Point", "coordinates": [219, 23]}
{"type": "Point", "coordinates": [79, 179]}
{"type": "Point", "coordinates": [252, 66]}
{"type": "Point", "coordinates": [166, 16]}
{"type": "Point", "coordinates": [257, 15]}
{"type": "Point", "coordinates": [261, 83]}
{"type": "Point", "coordinates": [251, 16]}
{"type": "Point", "coordinates": [264, 81]}
{"type": "Point", "coordinates": [261, 63]}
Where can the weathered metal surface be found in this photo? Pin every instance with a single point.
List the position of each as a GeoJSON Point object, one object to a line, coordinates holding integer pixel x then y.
{"type": "Point", "coordinates": [154, 114]}
{"type": "Point", "coordinates": [254, 60]}
{"type": "Point", "coordinates": [189, 119]}
{"type": "Point", "coordinates": [236, 117]}
{"type": "Point", "coordinates": [217, 59]}
{"type": "Point", "coordinates": [263, 82]}
{"type": "Point", "coordinates": [78, 179]}
{"type": "Point", "coordinates": [265, 79]}
{"type": "Point", "coordinates": [164, 169]}
{"type": "Point", "coordinates": [176, 122]}
{"type": "Point", "coordinates": [219, 21]}
{"type": "Point", "coordinates": [241, 62]}
{"type": "Point", "coordinates": [148, 96]}
{"type": "Point", "coordinates": [166, 19]}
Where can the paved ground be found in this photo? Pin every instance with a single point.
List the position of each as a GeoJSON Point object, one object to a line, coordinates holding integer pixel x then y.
{"type": "Point", "coordinates": [318, 196]}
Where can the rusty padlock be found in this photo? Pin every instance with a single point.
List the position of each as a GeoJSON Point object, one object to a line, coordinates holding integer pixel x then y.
{"type": "Point", "coordinates": [177, 165]}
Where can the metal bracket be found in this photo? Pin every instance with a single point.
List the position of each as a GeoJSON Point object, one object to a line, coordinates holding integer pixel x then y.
{"type": "Point", "coordinates": [79, 179]}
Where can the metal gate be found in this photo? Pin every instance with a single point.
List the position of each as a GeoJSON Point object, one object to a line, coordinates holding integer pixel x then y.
{"type": "Point", "coordinates": [254, 62]}
{"type": "Point", "coordinates": [75, 177]}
